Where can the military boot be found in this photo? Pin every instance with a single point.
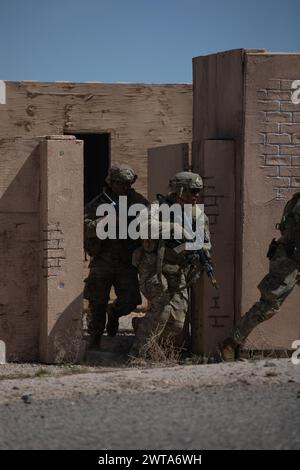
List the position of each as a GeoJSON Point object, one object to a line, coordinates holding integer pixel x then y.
{"type": "Point", "coordinates": [112, 324]}
{"type": "Point", "coordinates": [94, 341]}
{"type": "Point", "coordinates": [96, 324]}
{"type": "Point", "coordinates": [135, 323]}
{"type": "Point", "coordinates": [228, 350]}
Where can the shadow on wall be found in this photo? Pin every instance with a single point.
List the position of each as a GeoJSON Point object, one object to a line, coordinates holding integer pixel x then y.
{"type": "Point", "coordinates": [65, 340]}
{"type": "Point", "coordinates": [19, 248]}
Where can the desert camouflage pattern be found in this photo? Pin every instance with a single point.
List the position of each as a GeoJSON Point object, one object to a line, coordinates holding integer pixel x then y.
{"type": "Point", "coordinates": [282, 277]}
{"type": "Point", "coordinates": [166, 289]}
{"type": "Point", "coordinates": [168, 301]}
{"type": "Point", "coordinates": [121, 173]}
{"type": "Point", "coordinates": [185, 180]}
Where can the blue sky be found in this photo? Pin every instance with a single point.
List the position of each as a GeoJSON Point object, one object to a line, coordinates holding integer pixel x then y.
{"type": "Point", "coordinates": [151, 41]}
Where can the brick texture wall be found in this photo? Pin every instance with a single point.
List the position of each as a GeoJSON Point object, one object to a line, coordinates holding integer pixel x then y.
{"type": "Point", "coordinates": [280, 136]}
{"type": "Point", "coordinates": [271, 175]}
{"type": "Point", "coordinates": [53, 250]}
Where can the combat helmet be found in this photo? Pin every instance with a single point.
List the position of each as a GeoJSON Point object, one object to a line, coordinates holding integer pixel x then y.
{"type": "Point", "coordinates": [184, 181]}
{"type": "Point", "coordinates": [120, 173]}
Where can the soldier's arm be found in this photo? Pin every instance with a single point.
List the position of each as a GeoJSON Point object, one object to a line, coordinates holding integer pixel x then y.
{"type": "Point", "coordinates": [90, 225]}
{"type": "Point", "coordinates": [90, 218]}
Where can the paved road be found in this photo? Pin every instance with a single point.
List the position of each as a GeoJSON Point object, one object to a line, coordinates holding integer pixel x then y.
{"type": "Point", "coordinates": [238, 416]}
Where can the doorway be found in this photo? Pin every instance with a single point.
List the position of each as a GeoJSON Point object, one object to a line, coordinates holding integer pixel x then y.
{"type": "Point", "coordinates": [96, 151]}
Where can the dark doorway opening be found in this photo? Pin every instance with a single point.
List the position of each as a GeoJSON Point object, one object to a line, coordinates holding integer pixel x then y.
{"type": "Point", "coordinates": [96, 148]}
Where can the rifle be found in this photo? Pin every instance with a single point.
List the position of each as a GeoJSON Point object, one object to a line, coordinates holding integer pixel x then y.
{"type": "Point", "coordinates": [201, 254]}
{"type": "Point", "coordinates": [206, 263]}
{"type": "Point", "coordinates": [201, 257]}
{"type": "Point", "coordinates": [108, 199]}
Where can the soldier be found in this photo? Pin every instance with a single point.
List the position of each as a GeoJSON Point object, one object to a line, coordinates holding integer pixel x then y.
{"type": "Point", "coordinates": [111, 259]}
{"type": "Point", "coordinates": [283, 275]}
{"type": "Point", "coordinates": [165, 274]}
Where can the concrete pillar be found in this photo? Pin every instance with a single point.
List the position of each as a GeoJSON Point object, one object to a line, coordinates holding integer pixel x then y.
{"type": "Point", "coordinates": [61, 254]}
{"type": "Point", "coordinates": [212, 313]}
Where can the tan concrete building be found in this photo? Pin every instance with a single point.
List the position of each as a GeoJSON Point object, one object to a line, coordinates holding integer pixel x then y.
{"type": "Point", "coordinates": [44, 182]}
{"type": "Point", "coordinates": [245, 143]}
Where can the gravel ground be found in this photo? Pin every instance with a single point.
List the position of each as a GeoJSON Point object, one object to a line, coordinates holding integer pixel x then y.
{"type": "Point", "coordinates": [244, 405]}
{"type": "Point", "coordinates": [48, 382]}
{"type": "Point", "coordinates": [219, 417]}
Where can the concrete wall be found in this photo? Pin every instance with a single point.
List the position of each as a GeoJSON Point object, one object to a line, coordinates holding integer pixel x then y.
{"type": "Point", "coordinates": [138, 116]}
{"type": "Point", "coordinates": [271, 176]}
{"type": "Point", "coordinates": [41, 244]}
{"type": "Point", "coordinates": [218, 113]}
{"type": "Point", "coordinates": [19, 247]}
{"type": "Point", "coordinates": [41, 196]}
{"type": "Point", "coordinates": [245, 95]}
{"type": "Point", "coordinates": [218, 107]}
{"type": "Point", "coordinates": [163, 163]}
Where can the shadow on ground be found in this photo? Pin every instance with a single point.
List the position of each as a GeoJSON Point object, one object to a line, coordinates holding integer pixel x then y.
{"type": "Point", "coordinates": [113, 351]}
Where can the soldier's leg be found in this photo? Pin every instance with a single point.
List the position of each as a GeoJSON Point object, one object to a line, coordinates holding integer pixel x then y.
{"type": "Point", "coordinates": [96, 322]}
{"type": "Point", "coordinates": [97, 290]}
{"type": "Point", "coordinates": [127, 290]}
{"type": "Point", "coordinates": [168, 308]}
{"type": "Point", "coordinates": [274, 288]}
{"type": "Point", "coordinates": [158, 314]}
{"type": "Point", "coordinates": [174, 332]}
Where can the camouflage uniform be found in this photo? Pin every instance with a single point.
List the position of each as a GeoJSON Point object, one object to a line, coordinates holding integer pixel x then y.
{"type": "Point", "coordinates": [111, 262]}
{"type": "Point", "coordinates": [283, 275]}
{"type": "Point", "coordinates": [165, 288]}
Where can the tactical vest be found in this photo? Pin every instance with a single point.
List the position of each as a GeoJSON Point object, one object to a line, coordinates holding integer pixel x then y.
{"type": "Point", "coordinates": [121, 247]}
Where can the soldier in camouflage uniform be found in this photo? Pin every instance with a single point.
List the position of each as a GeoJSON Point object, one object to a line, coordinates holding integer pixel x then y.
{"type": "Point", "coordinates": [283, 275]}
{"type": "Point", "coordinates": [111, 260]}
{"type": "Point", "coordinates": [165, 275]}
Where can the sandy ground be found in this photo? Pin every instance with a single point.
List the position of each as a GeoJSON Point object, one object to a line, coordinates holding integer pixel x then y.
{"type": "Point", "coordinates": [44, 382]}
